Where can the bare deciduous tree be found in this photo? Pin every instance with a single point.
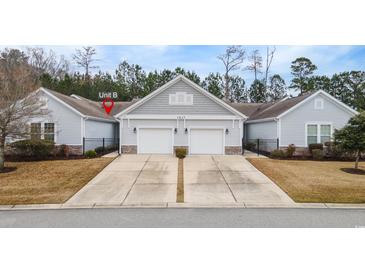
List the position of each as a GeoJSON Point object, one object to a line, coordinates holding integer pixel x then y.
{"type": "Point", "coordinates": [49, 63]}
{"type": "Point", "coordinates": [255, 63]}
{"type": "Point", "coordinates": [269, 57]}
{"type": "Point", "coordinates": [84, 58]}
{"type": "Point", "coordinates": [232, 60]}
{"type": "Point", "coordinates": [18, 102]}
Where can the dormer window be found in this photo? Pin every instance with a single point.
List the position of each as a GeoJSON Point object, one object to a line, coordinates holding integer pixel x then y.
{"type": "Point", "coordinates": [181, 98]}
{"type": "Point", "coordinates": [318, 104]}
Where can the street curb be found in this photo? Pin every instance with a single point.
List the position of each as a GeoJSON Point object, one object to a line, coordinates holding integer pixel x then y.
{"type": "Point", "coordinates": [181, 205]}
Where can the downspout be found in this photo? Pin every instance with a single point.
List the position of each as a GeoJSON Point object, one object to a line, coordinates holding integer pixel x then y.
{"type": "Point", "coordinates": [84, 134]}
{"type": "Point", "coordinates": [120, 137]}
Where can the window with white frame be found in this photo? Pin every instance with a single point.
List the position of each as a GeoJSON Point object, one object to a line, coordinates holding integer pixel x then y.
{"type": "Point", "coordinates": [318, 103]}
{"type": "Point", "coordinates": [35, 131]}
{"type": "Point", "coordinates": [325, 131]}
{"type": "Point", "coordinates": [49, 131]}
{"type": "Point", "coordinates": [181, 98]}
{"type": "Point", "coordinates": [318, 133]}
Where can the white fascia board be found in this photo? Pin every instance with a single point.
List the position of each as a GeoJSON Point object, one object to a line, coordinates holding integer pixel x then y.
{"type": "Point", "coordinates": [346, 107]}
{"type": "Point", "coordinates": [61, 102]}
{"type": "Point", "coordinates": [193, 85]}
{"type": "Point", "coordinates": [100, 119]}
{"type": "Point", "coordinates": [262, 120]}
{"type": "Point", "coordinates": [180, 117]}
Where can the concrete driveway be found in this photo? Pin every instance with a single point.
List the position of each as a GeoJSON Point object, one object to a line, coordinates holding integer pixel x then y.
{"type": "Point", "coordinates": [139, 180]}
{"type": "Point", "coordinates": [229, 179]}
{"type": "Point", "coordinates": [131, 180]}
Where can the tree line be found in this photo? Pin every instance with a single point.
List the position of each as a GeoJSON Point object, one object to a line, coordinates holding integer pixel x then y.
{"type": "Point", "coordinates": [131, 81]}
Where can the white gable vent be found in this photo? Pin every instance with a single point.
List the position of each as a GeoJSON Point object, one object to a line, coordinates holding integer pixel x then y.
{"type": "Point", "coordinates": [318, 103]}
{"type": "Point", "coordinates": [181, 98]}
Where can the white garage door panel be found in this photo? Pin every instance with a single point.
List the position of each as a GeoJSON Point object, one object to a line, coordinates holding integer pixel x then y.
{"type": "Point", "coordinates": [155, 140]}
{"type": "Point", "coordinates": [206, 141]}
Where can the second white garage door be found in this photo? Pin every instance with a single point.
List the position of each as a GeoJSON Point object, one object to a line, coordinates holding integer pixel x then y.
{"type": "Point", "coordinates": [155, 140]}
{"type": "Point", "coordinates": [206, 141]}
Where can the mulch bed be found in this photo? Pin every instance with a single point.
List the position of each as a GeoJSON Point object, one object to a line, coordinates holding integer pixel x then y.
{"type": "Point", "coordinates": [354, 171]}
{"type": "Point", "coordinates": [8, 169]}
{"type": "Point", "coordinates": [51, 158]}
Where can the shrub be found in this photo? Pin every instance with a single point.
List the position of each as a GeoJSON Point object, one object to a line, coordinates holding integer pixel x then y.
{"type": "Point", "coordinates": [315, 146]}
{"type": "Point", "coordinates": [99, 150]}
{"type": "Point", "coordinates": [250, 146]}
{"type": "Point", "coordinates": [90, 154]}
{"type": "Point", "coordinates": [64, 151]}
{"type": "Point", "coordinates": [180, 153]}
{"type": "Point", "coordinates": [37, 149]}
{"type": "Point", "coordinates": [317, 154]}
{"type": "Point", "coordinates": [334, 150]}
{"type": "Point", "coordinates": [277, 154]}
{"type": "Point", "coordinates": [290, 151]}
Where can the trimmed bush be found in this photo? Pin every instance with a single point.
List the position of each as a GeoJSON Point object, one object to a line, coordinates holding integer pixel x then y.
{"type": "Point", "coordinates": [290, 151]}
{"type": "Point", "coordinates": [180, 153]}
{"type": "Point", "coordinates": [64, 151]}
{"type": "Point", "coordinates": [334, 150]}
{"type": "Point", "coordinates": [37, 149]}
{"type": "Point", "coordinates": [317, 154]}
{"type": "Point", "coordinates": [315, 146]}
{"type": "Point", "coordinates": [90, 154]}
{"type": "Point", "coordinates": [99, 150]}
{"type": "Point", "coordinates": [250, 146]}
{"type": "Point", "coordinates": [277, 154]}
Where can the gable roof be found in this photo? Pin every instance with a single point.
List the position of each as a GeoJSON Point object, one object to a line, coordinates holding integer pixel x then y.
{"type": "Point", "coordinates": [277, 109]}
{"type": "Point", "coordinates": [274, 109]}
{"type": "Point", "coordinates": [82, 106]}
{"type": "Point", "coordinates": [190, 83]}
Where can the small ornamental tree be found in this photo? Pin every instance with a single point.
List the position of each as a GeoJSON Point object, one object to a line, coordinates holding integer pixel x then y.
{"type": "Point", "coordinates": [352, 137]}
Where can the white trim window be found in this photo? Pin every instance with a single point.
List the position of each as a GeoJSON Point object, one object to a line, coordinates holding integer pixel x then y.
{"type": "Point", "coordinates": [49, 132]}
{"type": "Point", "coordinates": [35, 131]}
{"type": "Point", "coordinates": [318, 104]}
{"type": "Point", "coordinates": [318, 133]}
{"type": "Point", "coordinates": [42, 131]}
{"type": "Point", "coordinates": [181, 98]}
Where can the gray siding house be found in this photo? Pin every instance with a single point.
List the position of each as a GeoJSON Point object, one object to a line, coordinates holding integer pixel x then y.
{"type": "Point", "coordinates": [182, 114]}
{"type": "Point", "coordinates": [71, 120]}
{"type": "Point", "coordinates": [302, 120]}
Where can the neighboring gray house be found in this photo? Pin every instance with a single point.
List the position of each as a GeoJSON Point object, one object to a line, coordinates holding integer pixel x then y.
{"type": "Point", "coordinates": [71, 119]}
{"type": "Point", "coordinates": [302, 120]}
{"type": "Point", "coordinates": [182, 114]}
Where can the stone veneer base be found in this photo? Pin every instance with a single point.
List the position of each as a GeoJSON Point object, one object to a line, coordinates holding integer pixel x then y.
{"type": "Point", "coordinates": [233, 150]}
{"type": "Point", "coordinates": [129, 149]}
{"type": "Point", "coordinates": [229, 150]}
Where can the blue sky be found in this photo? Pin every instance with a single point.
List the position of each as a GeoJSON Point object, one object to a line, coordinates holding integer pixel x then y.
{"type": "Point", "coordinates": [203, 59]}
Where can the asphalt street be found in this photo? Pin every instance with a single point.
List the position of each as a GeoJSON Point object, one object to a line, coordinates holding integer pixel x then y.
{"type": "Point", "coordinates": [185, 217]}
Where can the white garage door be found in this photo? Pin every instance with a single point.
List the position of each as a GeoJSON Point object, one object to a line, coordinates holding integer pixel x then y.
{"type": "Point", "coordinates": [206, 141]}
{"type": "Point", "coordinates": [155, 140]}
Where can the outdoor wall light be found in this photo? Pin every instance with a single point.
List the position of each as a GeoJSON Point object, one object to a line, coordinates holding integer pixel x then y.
{"type": "Point", "coordinates": [227, 131]}
{"type": "Point", "coordinates": [186, 131]}
{"type": "Point", "coordinates": [175, 130]}
{"type": "Point", "coordinates": [135, 130]}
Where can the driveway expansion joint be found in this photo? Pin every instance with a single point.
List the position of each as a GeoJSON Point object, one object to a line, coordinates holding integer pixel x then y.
{"type": "Point", "coordinates": [220, 171]}
{"type": "Point", "coordinates": [135, 180]}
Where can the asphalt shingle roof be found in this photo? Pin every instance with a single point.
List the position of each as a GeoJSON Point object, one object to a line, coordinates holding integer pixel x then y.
{"type": "Point", "coordinates": [257, 111]}
{"type": "Point", "coordinates": [254, 111]}
{"type": "Point", "coordinates": [90, 108]}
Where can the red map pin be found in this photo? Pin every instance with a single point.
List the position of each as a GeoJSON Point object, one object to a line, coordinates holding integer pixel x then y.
{"type": "Point", "coordinates": [108, 104]}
